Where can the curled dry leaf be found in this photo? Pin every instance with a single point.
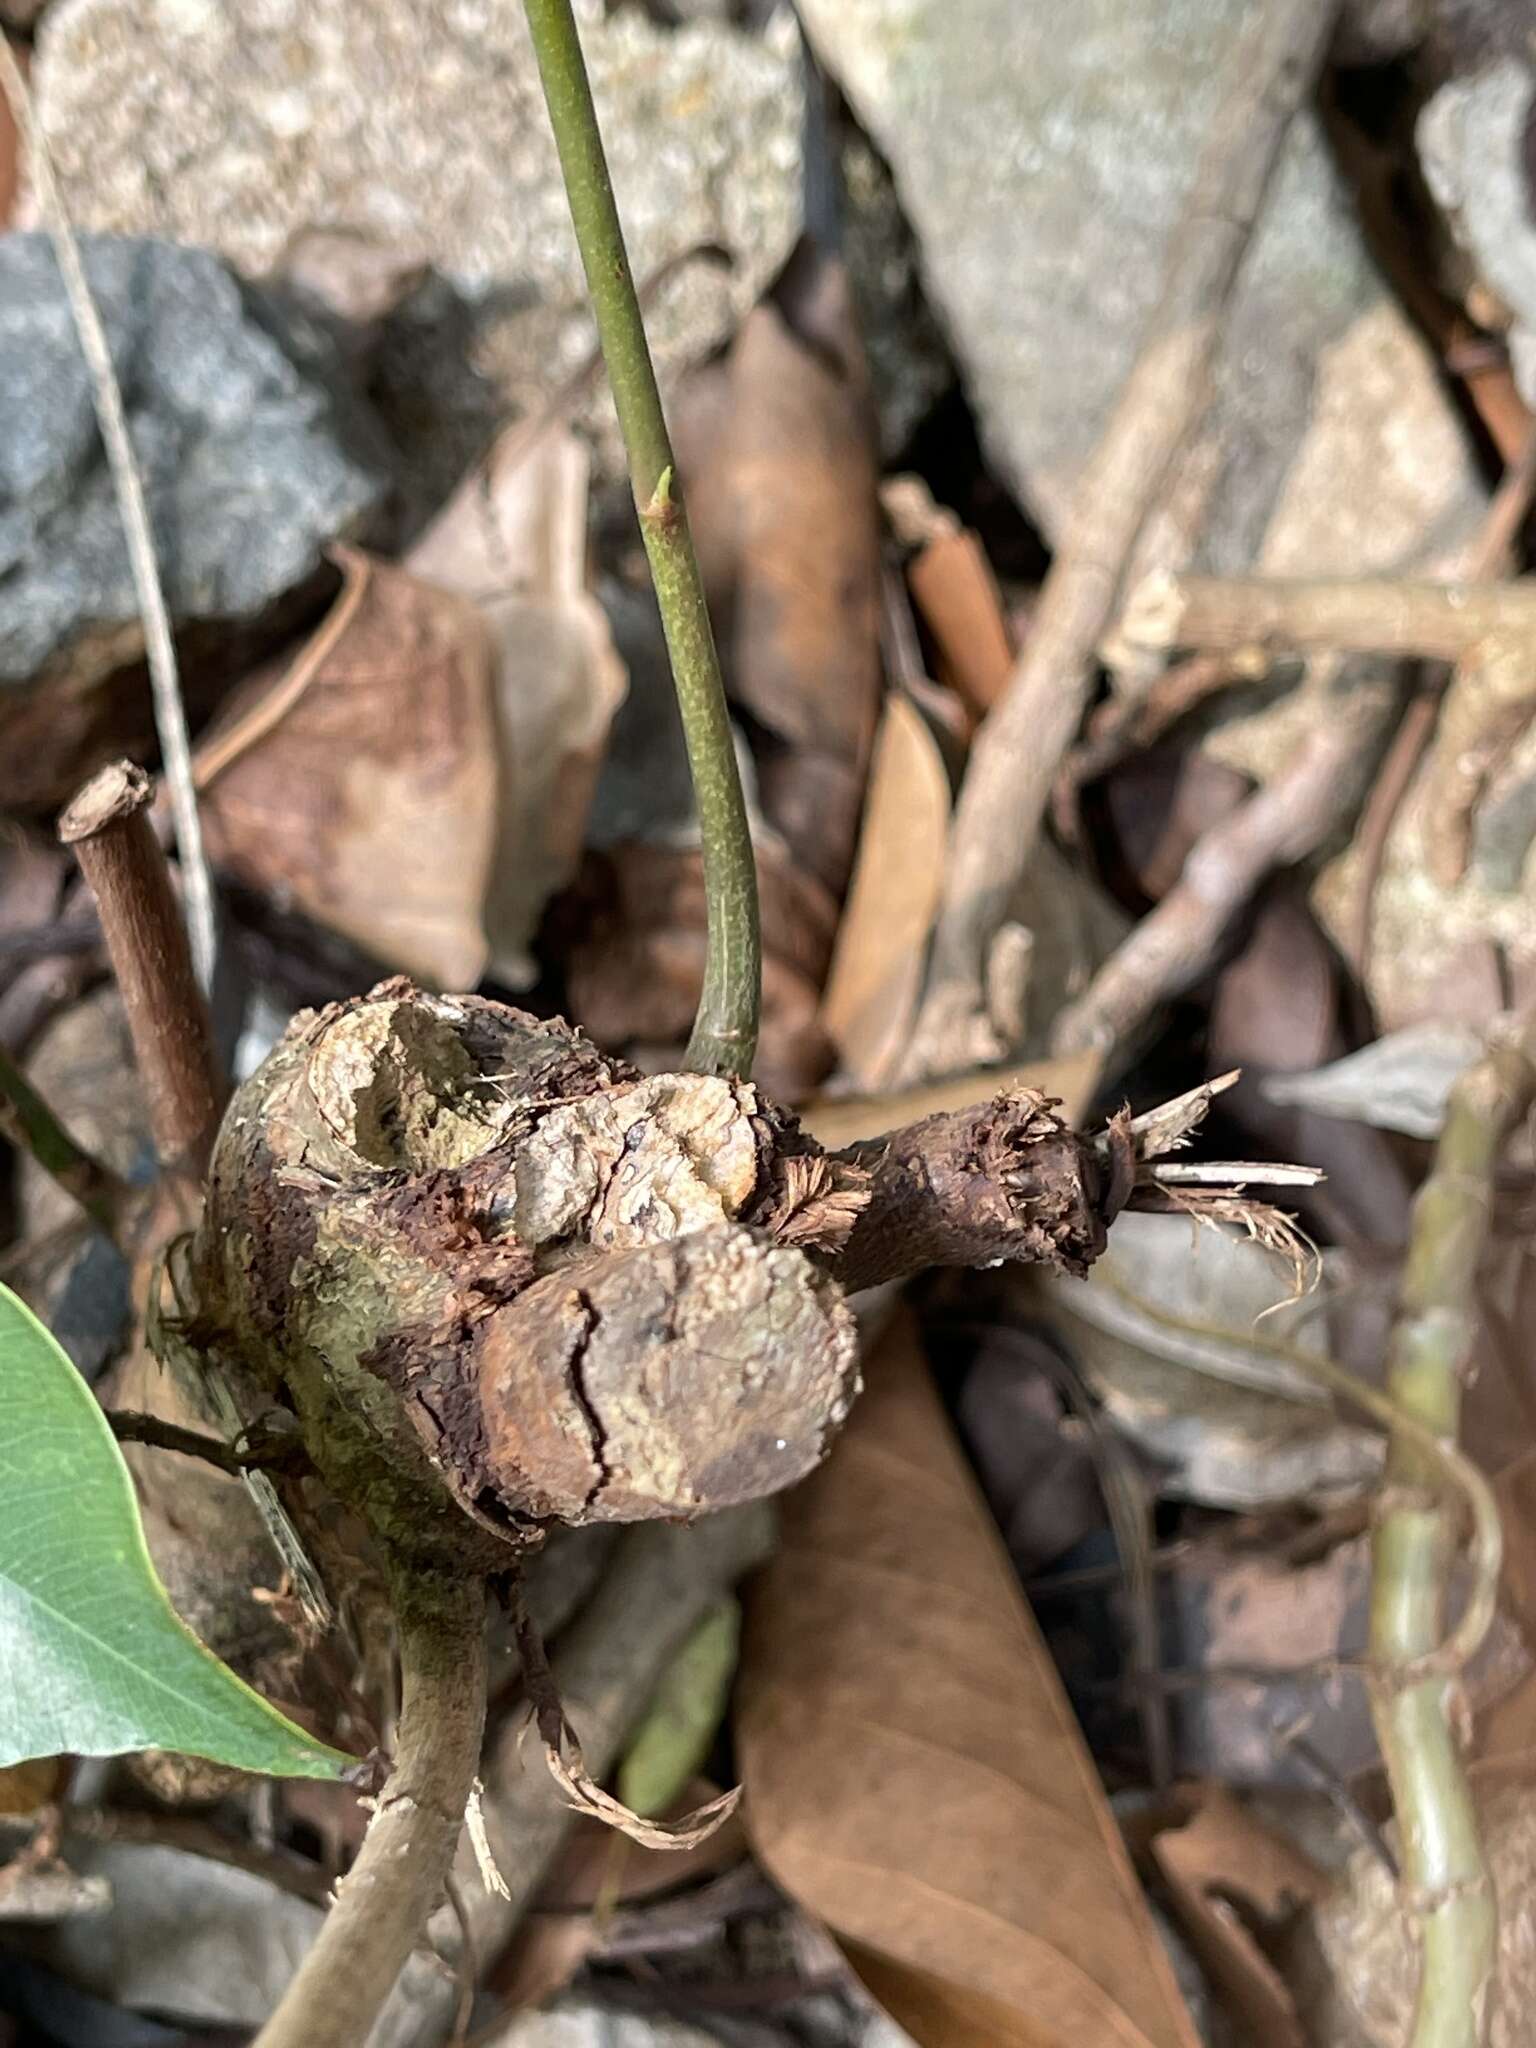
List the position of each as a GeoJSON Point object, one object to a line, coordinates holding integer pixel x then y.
{"type": "Point", "coordinates": [359, 783]}
{"type": "Point", "coordinates": [777, 450]}
{"type": "Point", "coordinates": [877, 965]}
{"type": "Point", "coordinates": [514, 538]}
{"type": "Point", "coordinates": [568, 1767]}
{"type": "Point", "coordinates": [1228, 1874]}
{"type": "Point", "coordinates": [955, 590]}
{"type": "Point", "coordinates": [914, 1774]}
{"type": "Point", "coordinates": [1283, 1002]}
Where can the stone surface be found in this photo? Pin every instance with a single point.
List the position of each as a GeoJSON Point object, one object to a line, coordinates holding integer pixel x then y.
{"type": "Point", "coordinates": [1043, 167]}
{"type": "Point", "coordinates": [424, 128]}
{"type": "Point", "coordinates": [251, 459]}
{"type": "Point", "coordinates": [1475, 149]}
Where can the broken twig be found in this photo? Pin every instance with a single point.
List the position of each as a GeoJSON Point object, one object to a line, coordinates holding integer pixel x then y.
{"type": "Point", "coordinates": [108, 827]}
{"type": "Point", "coordinates": [1230, 614]}
{"type": "Point", "coordinates": [1488, 555]}
{"type": "Point", "coordinates": [1021, 745]}
{"type": "Point", "coordinates": [1178, 942]}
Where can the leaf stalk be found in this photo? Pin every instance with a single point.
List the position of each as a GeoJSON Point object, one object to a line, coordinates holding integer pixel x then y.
{"type": "Point", "coordinates": [724, 1037]}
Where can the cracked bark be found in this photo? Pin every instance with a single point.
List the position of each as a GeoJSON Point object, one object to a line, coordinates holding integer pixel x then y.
{"type": "Point", "coordinates": [506, 1282]}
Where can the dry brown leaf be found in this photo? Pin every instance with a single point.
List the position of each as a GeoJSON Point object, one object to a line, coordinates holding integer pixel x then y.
{"type": "Point", "coordinates": [777, 451]}
{"type": "Point", "coordinates": [631, 936]}
{"type": "Point", "coordinates": [835, 1121]}
{"type": "Point", "coordinates": [514, 538]}
{"type": "Point", "coordinates": [915, 1777]}
{"type": "Point", "coordinates": [359, 783]}
{"type": "Point", "coordinates": [1220, 1855]}
{"type": "Point", "coordinates": [24, 1788]}
{"type": "Point", "coordinates": [877, 964]}
{"type": "Point", "coordinates": [954, 588]}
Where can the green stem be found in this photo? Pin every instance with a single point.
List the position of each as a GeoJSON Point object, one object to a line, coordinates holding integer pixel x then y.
{"type": "Point", "coordinates": [32, 1126]}
{"type": "Point", "coordinates": [398, 1874]}
{"type": "Point", "coordinates": [725, 1029]}
{"type": "Point", "coordinates": [1446, 1883]}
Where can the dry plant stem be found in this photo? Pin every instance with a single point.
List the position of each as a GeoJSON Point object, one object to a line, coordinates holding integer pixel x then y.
{"type": "Point", "coordinates": [606, 1665]}
{"type": "Point", "coordinates": [1489, 555]}
{"type": "Point", "coordinates": [1217, 614]}
{"type": "Point", "coordinates": [1003, 1179]}
{"type": "Point", "coordinates": [724, 1036]}
{"type": "Point", "coordinates": [1130, 723]}
{"type": "Point", "coordinates": [1175, 944]}
{"type": "Point", "coordinates": [129, 1427]}
{"type": "Point", "coordinates": [30, 1125]}
{"type": "Point", "coordinates": [1394, 777]}
{"type": "Point", "coordinates": [383, 1903]}
{"type": "Point", "coordinates": [1486, 706]}
{"type": "Point", "coordinates": [1448, 1892]}
{"type": "Point", "coordinates": [1022, 743]}
{"type": "Point", "coordinates": [108, 826]}
{"type": "Point", "coordinates": [1454, 1472]}
{"type": "Point", "coordinates": [106, 393]}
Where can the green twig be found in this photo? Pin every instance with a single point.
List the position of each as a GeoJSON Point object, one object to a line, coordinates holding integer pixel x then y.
{"type": "Point", "coordinates": [725, 1029]}
{"type": "Point", "coordinates": [31, 1125]}
{"type": "Point", "coordinates": [1447, 1887]}
{"type": "Point", "coordinates": [399, 1872]}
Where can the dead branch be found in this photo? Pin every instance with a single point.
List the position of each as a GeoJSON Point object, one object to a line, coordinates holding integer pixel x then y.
{"type": "Point", "coordinates": [1449, 1893]}
{"type": "Point", "coordinates": [383, 1902]}
{"type": "Point", "coordinates": [1004, 1179]}
{"type": "Point", "coordinates": [1235, 614]}
{"type": "Point", "coordinates": [1489, 555]}
{"type": "Point", "coordinates": [108, 826]}
{"type": "Point", "coordinates": [1020, 747]}
{"type": "Point", "coordinates": [1176, 944]}
{"type": "Point", "coordinates": [129, 1426]}
{"type": "Point", "coordinates": [1486, 707]}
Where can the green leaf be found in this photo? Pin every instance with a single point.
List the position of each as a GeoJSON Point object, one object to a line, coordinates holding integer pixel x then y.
{"type": "Point", "coordinates": [681, 1722]}
{"type": "Point", "coordinates": [94, 1659]}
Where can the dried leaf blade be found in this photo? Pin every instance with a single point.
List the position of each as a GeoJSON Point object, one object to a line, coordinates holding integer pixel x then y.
{"type": "Point", "coordinates": [914, 1774]}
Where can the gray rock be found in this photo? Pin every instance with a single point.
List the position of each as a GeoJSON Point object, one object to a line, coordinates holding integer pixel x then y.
{"type": "Point", "coordinates": [423, 126]}
{"type": "Point", "coordinates": [1043, 156]}
{"type": "Point", "coordinates": [1376, 31]}
{"type": "Point", "coordinates": [1473, 140]}
{"type": "Point", "coordinates": [249, 464]}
